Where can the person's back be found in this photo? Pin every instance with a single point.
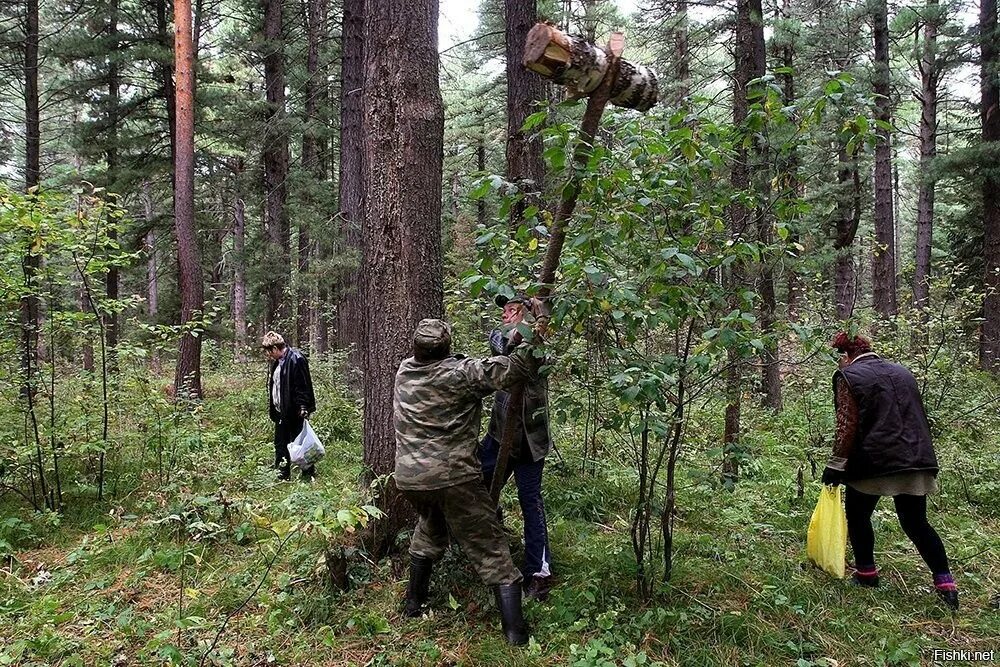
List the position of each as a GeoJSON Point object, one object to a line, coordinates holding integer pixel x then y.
{"type": "Point", "coordinates": [437, 404]}
{"type": "Point", "coordinates": [437, 407]}
{"type": "Point", "coordinates": [893, 434]}
{"type": "Point", "coordinates": [882, 448]}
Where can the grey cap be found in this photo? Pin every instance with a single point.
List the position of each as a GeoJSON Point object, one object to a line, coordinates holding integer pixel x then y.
{"type": "Point", "coordinates": [431, 333]}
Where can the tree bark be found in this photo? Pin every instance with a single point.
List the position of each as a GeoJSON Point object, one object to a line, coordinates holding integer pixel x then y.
{"type": "Point", "coordinates": [403, 130]}
{"type": "Point", "coordinates": [848, 219]}
{"type": "Point", "coordinates": [989, 351]}
{"type": "Point", "coordinates": [152, 272]}
{"type": "Point", "coordinates": [744, 72]}
{"type": "Point", "coordinates": [240, 272]}
{"type": "Point", "coordinates": [884, 257]}
{"type": "Point", "coordinates": [111, 288]}
{"type": "Point", "coordinates": [315, 11]}
{"type": "Point", "coordinates": [789, 177]}
{"type": "Point", "coordinates": [524, 153]}
{"type": "Point", "coordinates": [310, 138]}
{"type": "Point", "coordinates": [277, 231]}
{"type": "Point", "coordinates": [30, 305]}
{"type": "Point", "coordinates": [928, 151]}
{"type": "Point", "coordinates": [32, 118]}
{"type": "Point", "coordinates": [187, 378]}
{"type": "Point", "coordinates": [304, 311]}
{"type": "Point", "coordinates": [760, 166]}
{"type": "Point", "coordinates": [350, 325]}
{"type": "Point", "coordinates": [166, 74]}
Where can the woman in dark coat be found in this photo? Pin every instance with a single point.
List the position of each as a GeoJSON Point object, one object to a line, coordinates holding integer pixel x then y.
{"type": "Point", "coordinates": [883, 448]}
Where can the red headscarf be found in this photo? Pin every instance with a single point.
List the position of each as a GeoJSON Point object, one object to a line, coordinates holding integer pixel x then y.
{"type": "Point", "coordinates": [852, 347]}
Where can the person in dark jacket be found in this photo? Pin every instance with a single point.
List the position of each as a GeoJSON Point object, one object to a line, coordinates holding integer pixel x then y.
{"type": "Point", "coordinates": [527, 458]}
{"type": "Point", "coordinates": [290, 399]}
{"type": "Point", "coordinates": [883, 448]}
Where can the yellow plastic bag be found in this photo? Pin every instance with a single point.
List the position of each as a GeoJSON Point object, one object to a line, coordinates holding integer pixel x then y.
{"type": "Point", "coordinates": [826, 543]}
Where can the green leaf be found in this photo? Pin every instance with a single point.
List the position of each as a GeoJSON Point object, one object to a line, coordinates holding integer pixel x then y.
{"type": "Point", "coordinates": [482, 189]}
{"type": "Point", "coordinates": [556, 156]}
{"type": "Point", "coordinates": [534, 120]}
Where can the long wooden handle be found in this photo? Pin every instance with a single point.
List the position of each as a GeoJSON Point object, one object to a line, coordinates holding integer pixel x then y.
{"type": "Point", "coordinates": [585, 140]}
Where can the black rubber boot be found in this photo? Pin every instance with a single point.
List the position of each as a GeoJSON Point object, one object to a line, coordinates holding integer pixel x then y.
{"type": "Point", "coordinates": [416, 589]}
{"type": "Point", "coordinates": [508, 597]}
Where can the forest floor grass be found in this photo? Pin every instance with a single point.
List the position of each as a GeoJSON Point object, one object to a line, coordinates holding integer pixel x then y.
{"type": "Point", "coordinates": [150, 577]}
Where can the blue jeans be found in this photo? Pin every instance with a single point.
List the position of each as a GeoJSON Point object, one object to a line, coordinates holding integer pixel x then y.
{"type": "Point", "coordinates": [528, 477]}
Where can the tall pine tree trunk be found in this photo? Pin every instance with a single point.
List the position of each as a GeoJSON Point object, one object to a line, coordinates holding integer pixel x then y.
{"type": "Point", "coordinates": [152, 272]}
{"type": "Point", "coordinates": [311, 163]}
{"type": "Point", "coordinates": [240, 277]}
{"type": "Point", "coordinates": [848, 219]}
{"type": "Point", "coordinates": [524, 154]}
{"type": "Point", "coordinates": [989, 350]}
{"type": "Point", "coordinates": [30, 305]}
{"type": "Point", "coordinates": [771, 372]}
{"type": "Point", "coordinates": [739, 226]}
{"type": "Point", "coordinates": [884, 256]}
{"type": "Point", "coordinates": [111, 289]}
{"type": "Point", "coordinates": [32, 117]}
{"type": "Point", "coordinates": [682, 51]}
{"type": "Point", "coordinates": [789, 176]}
{"type": "Point", "coordinates": [928, 151]}
{"type": "Point", "coordinates": [165, 70]}
{"type": "Point", "coordinates": [350, 326]}
{"type": "Point", "coordinates": [403, 126]}
{"type": "Point", "coordinates": [277, 232]}
{"type": "Point", "coordinates": [188, 374]}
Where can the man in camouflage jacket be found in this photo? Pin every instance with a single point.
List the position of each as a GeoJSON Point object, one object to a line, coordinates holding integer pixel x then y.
{"type": "Point", "coordinates": [437, 405]}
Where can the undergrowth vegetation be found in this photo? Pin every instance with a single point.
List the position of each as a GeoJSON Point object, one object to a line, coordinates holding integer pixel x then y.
{"type": "Point", "coordinates": [198, 556]}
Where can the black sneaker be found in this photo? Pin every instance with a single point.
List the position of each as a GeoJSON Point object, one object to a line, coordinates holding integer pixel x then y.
{"type": "Point", "coordinates": [865, 582]}
{"type": "Point", "coordinates": [950, 598]}
{"type": "Point", "coordinates": [538, 588]}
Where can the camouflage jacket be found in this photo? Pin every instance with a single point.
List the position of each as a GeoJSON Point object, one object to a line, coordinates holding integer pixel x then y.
{"type": "Point", "coordinates": [436, 410]}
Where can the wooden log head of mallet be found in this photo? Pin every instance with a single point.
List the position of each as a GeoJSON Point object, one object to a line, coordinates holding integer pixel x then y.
{"type": "Point", "coordinates": [574, 62]}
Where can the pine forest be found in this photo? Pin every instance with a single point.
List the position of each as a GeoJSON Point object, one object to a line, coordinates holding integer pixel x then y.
{"type": "Point", "coordinates": [499, 332]}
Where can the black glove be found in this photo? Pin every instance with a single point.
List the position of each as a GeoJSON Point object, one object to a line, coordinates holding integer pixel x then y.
{"type": "Point", "coordinates": [832, 476]}
{"type": "Point", "coordinates": [303, 413]}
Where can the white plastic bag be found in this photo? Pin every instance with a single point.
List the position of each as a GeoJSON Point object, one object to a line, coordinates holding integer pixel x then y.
{"type": "Point", "coordinates": [306, 449]}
